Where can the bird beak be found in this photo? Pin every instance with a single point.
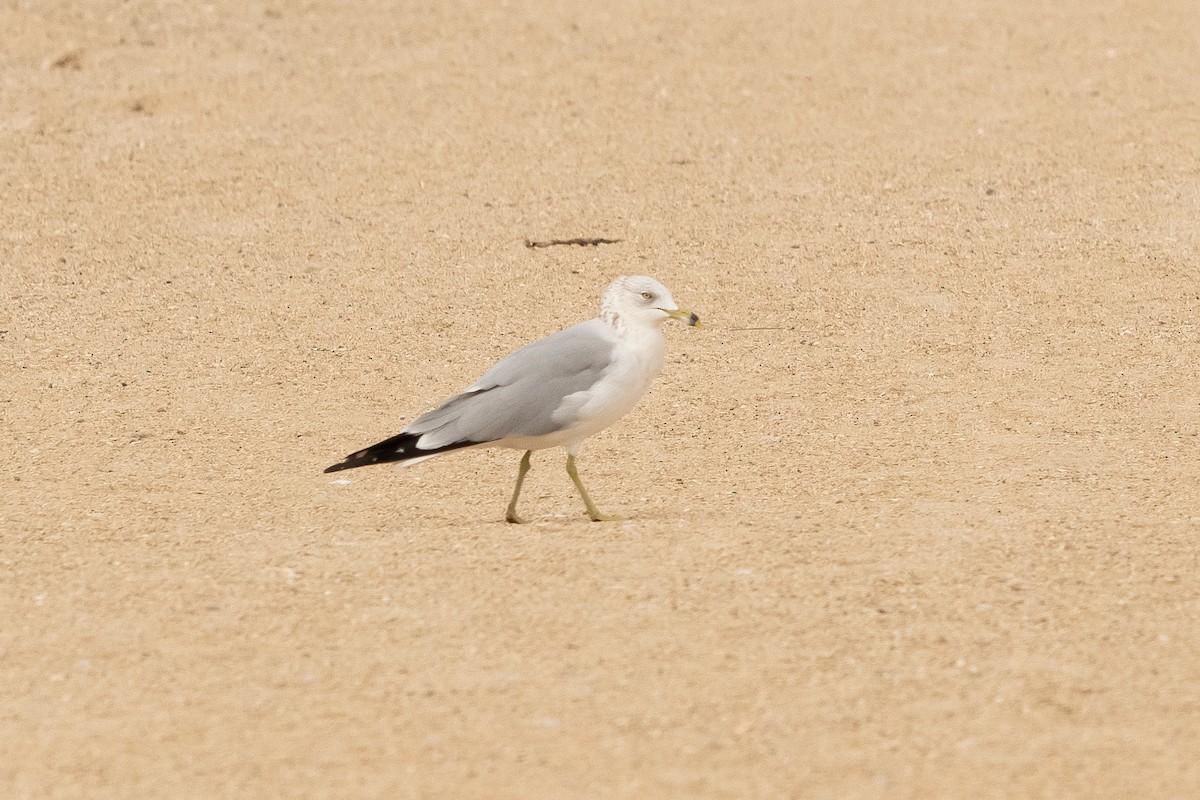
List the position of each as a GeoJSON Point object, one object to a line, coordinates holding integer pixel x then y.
{"type": "Point", "coordinates": [686, 317]}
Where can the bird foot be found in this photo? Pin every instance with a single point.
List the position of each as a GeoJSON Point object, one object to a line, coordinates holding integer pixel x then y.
{"type": "Point", "coordinates": [512, 517]}
{"type": "Point", "coordinates": [596, 516]}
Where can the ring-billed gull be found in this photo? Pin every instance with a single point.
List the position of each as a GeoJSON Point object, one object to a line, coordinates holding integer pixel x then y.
{"type": "Point", "coordinates": [555, 392]}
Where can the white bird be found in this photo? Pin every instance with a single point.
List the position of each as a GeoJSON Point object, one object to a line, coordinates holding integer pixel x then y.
{"type": "Point", "coordinates": [554, 392]}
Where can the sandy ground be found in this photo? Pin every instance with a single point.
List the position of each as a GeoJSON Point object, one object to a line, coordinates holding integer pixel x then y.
{"type": "Point", "coordinates": [915, 516]}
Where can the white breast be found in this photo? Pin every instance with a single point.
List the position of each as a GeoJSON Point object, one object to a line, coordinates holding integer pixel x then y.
{"type": "Point", "coordinates": [637, 360]}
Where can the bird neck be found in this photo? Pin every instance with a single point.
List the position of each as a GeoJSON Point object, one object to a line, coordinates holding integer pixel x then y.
{"type": "Point", "coordinates": [613, 318]}
{"type": "Point", "coordinates": [609, 309]}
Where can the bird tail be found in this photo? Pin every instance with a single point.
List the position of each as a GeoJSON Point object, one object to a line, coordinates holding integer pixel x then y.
{"type": "Point", "coordinates": [401, 447]}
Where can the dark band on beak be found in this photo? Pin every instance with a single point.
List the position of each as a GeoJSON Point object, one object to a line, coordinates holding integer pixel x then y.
{"type": "Point", "coordinates": [689, 318]}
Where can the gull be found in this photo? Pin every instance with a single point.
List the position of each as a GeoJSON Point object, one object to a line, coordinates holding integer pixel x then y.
{"type": "Point", "coordinates": [554, 392]}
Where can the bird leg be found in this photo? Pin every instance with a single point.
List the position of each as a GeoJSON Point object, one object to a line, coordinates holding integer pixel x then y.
{"type": "Point", "coordinates": [511, 514]}
{"type": "Point", "coordinates": [592, 511]}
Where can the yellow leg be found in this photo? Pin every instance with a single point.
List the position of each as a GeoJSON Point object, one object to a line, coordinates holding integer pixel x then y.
{"type": "Point", "coordinates": [592, 511]}
{"type": "Point", "coordinates": [511, 514]}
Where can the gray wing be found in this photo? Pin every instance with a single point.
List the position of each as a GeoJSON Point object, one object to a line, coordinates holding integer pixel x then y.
{"type": "Point", "coordinates": [521, 394]}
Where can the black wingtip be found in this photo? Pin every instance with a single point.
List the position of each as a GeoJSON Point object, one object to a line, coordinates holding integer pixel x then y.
{"type": "Point", "coordinates": [380, 453]}
{"type": "Point", "coordinates": [401, 447]}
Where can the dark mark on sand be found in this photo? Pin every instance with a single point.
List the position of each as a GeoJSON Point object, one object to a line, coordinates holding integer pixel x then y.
{"type": "Point", "coordinates": [581, 242]}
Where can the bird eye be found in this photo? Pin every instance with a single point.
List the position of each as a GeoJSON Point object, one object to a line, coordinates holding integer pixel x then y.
{"type": "Point", "coordinates": [648, 295]}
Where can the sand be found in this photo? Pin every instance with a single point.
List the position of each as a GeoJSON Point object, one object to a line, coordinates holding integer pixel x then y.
{"type": "Point", "coordinates": [914, 516]}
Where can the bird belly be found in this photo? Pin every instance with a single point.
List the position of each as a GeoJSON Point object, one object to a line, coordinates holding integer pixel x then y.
{"type": "Point", "coordinates": [616, 393]}
{"type": "Point", "coordinates": [586, 413]}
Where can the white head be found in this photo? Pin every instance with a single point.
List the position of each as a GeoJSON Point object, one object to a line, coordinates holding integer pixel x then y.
{"type": "Point", "coordinates": [636, 300]}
